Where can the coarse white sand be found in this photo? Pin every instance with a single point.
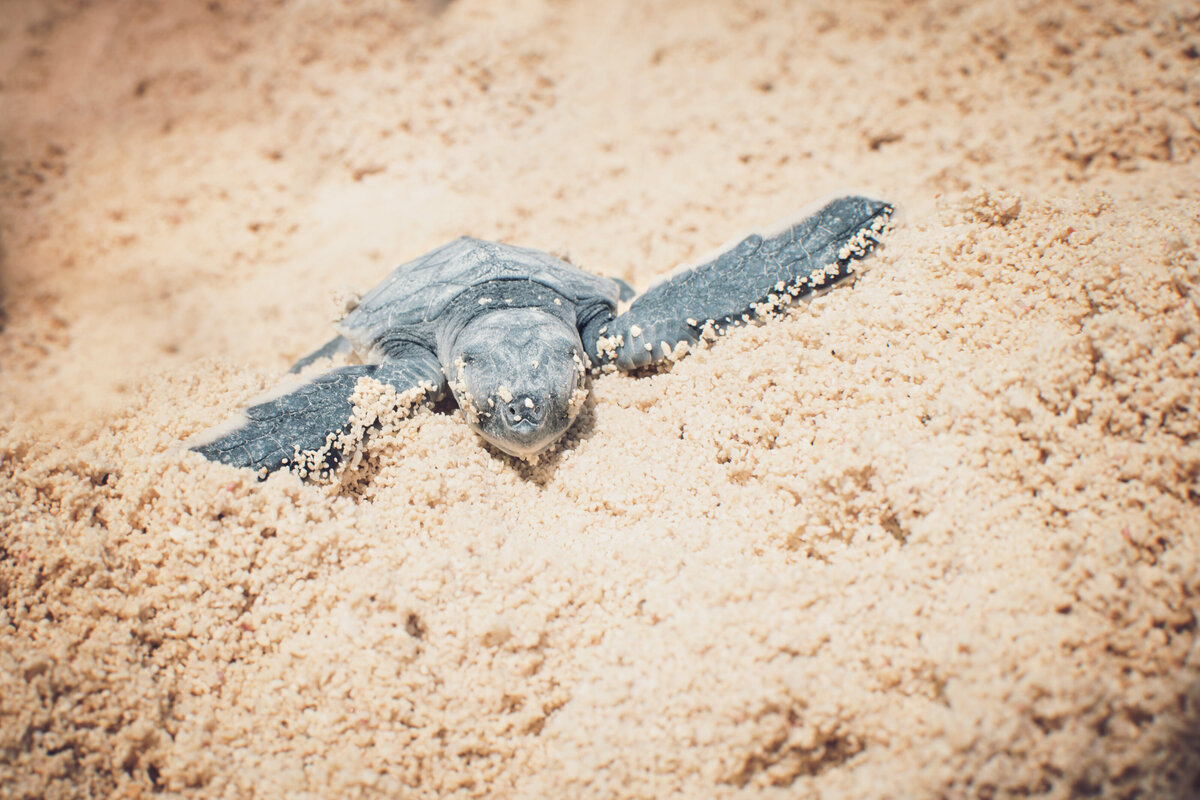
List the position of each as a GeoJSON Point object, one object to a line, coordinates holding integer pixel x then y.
{"type": "Point", "coordinates": [935, 534]}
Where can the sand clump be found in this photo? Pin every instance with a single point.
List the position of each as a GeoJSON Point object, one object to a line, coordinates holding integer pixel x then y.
{"type": "Point", "coordinates": [933, 534]}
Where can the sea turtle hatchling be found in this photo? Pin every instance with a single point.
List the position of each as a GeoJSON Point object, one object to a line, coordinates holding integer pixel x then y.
{"type": "Point", "coordinates": [512, 332]}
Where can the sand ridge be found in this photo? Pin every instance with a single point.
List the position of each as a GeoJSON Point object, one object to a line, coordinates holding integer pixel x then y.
{"type": "Point", "coordinates": [934, 534]}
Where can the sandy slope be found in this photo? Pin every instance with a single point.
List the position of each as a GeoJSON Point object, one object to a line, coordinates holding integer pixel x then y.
{"type": "Point", "coordinates": [932, 535]}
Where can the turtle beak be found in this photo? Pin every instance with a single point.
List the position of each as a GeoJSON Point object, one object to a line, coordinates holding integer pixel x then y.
{"type": "Point", "coordinates": [523, 414]}
{"type": "Point", "coordinates": [525, 427]}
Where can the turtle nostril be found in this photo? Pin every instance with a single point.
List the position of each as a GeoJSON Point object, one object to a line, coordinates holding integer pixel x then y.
{"type": "Point", "coordinates": [534, 410]}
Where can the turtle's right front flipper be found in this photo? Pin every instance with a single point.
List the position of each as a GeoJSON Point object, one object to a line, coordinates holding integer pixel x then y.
{"type": "Point", "coordinates": [311, 427]}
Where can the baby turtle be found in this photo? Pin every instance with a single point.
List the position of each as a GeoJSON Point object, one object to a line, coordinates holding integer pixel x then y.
{"type": "Point", "coordinates": [512, 332]}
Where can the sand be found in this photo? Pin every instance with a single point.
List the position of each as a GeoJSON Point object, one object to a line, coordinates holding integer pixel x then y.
{"type": "Point", "coordinates": [935, 534]}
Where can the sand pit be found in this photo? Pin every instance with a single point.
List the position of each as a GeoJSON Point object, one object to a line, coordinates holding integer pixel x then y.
{"type": "Point", "coordinates": [936, 534]}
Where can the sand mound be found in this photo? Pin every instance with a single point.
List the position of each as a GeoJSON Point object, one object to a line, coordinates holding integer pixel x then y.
{"type": "Point", "coordinates": [933, 535]}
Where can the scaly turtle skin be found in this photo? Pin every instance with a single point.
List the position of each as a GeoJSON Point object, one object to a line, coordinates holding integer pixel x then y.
{"type": "Point", "coordinates": [512, 332]}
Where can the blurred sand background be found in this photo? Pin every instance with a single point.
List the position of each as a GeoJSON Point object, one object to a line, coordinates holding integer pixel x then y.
{"type": "Point", "coordinates": [933, 535]}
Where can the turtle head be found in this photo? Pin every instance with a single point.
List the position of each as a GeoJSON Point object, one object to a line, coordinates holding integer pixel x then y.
{"type": "Point", "coordinates": [518, 376]}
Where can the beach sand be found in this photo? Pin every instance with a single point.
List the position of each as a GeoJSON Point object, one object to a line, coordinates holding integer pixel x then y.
{"type": "Point", "coordinates": [934, 534]}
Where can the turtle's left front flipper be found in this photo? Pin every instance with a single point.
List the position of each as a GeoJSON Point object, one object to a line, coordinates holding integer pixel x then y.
{"type": "Point", "coordinates": [759, 274]}
{"type": "Point", "coordinates": [311, 428]}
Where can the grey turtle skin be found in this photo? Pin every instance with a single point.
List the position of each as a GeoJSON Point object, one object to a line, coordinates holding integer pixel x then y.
{"type": "Point", "coordinates": [512, 332]}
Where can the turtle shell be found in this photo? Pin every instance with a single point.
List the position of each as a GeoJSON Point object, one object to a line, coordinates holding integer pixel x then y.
{"type": "Point", "coordinates": [418, 293]}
